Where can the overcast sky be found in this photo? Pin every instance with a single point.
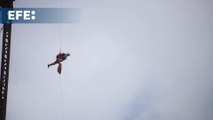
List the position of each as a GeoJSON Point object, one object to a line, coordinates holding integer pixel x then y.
{"type": "Point", "coordinates": [130, 60]}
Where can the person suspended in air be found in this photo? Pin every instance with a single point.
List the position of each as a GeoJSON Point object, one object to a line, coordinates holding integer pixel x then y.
{"type": "Point", "coordinates": [59, 58]}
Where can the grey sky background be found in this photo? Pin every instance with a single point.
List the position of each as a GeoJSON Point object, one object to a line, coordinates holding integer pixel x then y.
{"type": "Point", "coordinates": [130, 60]}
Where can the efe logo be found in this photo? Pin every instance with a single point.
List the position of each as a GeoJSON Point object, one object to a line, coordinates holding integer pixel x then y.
{"type": "Point", "coordinates": [24, 14]}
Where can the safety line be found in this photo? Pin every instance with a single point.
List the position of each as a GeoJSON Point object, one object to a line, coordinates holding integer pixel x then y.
{"type": "Point", "coordinates": [60, 80]}
{"type": "Point", "coordinates": [61, 97]}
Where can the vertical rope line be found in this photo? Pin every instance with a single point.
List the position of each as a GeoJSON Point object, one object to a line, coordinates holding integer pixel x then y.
{"type": "Point", "coordinates": [61, 97]}
{"type": "Point", "coordinates": [60, 80]}
{"type": "Point", "coordinates": [60, 37]}
{"type": "Point", "coordinates": [61, 29]}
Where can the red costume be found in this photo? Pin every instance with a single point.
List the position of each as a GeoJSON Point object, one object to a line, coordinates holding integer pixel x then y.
{"type": "Point", "coordinates": [59, 58]}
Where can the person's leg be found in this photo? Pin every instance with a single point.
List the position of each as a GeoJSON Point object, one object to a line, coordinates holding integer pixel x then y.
{"type": "Point", "coordinates": [52, 63]}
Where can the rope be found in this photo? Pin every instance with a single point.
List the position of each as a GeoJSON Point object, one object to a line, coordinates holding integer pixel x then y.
{"type": "Point", "coordinates": [60, 38]}
{"type": "Point", "coordinates": [61, 96]}
{"type": "Point", "coordinates": [60, 80]}
{"type": "Point", "coordinates": [61, 29]}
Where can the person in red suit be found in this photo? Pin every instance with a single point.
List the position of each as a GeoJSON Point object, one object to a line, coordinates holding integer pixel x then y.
{"type": "Point", "coordinates": [59, 58]}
